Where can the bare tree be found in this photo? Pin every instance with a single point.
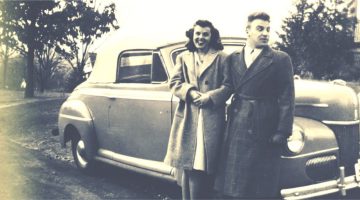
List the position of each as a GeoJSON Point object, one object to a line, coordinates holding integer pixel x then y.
{"type": "Point", "coordinates": [86, 25]}
{"type": "Point", "coordinates": [31, 22]}
{"type": "Point", "coordinates": [5, 54]}
{"type": "Point", "coordinates": [47, 61]}
{"type": "Point", "coordinates": [6, 41]}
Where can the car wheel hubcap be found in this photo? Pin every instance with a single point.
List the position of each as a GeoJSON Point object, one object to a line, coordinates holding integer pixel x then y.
{"type": "Point", "coordinates": [80, 152]}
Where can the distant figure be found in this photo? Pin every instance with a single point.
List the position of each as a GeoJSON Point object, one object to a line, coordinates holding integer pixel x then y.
{"type": "Point", "coordinates": [23, 84]}
{"type": "Point", "coordinates": [202, 83]}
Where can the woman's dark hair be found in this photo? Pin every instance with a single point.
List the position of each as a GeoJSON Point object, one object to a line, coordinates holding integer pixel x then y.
{"type": "Point", "coordinates": [215, 41]}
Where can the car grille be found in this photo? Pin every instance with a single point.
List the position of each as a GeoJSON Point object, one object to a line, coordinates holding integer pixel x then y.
{"type": "Point", "coordinates": [347, 137]}
{"type": "Point", "coordinates": [322, 168]}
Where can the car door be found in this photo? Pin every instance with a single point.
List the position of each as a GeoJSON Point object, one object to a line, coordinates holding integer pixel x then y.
{"type": "Point", "coordinates": [96, 98]}
{"type": "Point", "coordinates": [140, 111]}
{"type": "Point", "coordinates": [96, 94]}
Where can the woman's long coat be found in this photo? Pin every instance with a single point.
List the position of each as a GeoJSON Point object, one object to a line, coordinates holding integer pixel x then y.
{"type": "Point", "coordinates": [262, 106]}
{"type": "Point", "coordinates": [213, 80]}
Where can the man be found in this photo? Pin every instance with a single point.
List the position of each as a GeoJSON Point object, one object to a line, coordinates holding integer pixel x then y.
{"type": "Point", "coordinates": [260, 116]}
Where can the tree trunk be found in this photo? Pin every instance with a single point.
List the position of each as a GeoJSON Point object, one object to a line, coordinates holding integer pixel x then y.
{"type": "Point", "coordinates": [41, 83]}
{"type": "Point", "coordinates": [29, 90]}
{"type": "Point", "coordinates": [6, 59]}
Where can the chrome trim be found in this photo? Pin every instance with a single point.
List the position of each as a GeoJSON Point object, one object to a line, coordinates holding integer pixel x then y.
{"type": "Point", "coordinates": [131, 94]}
{"type": "Point", "coordinates": [328, 122]}
{"type": "Point", "coordinates": [154, 166]}
{"type": "Point", "coordinates": [321, 159]}
{"type": "Point", "coordinates": [80, 153]}
{"type": "Point", "coordinates": [167, 177]}
{"type": "Point", "coordinates": [319, 189]}
{"type": "Point", "coordinates": [312, 153]}
{"type": "Point", "coordinates": [342, 184]}
{"type": "Point", "coordinates": [75, 118]}
{"type": "Point", "coordinates": [319, 105]}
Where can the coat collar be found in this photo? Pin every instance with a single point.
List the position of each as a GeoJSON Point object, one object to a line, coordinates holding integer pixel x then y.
{"type": "Point", "coordinates": [263, 61]}
{"type": "Point", "coordinates": [189, 59]}
{"type": "Point", "coordinates": [240, 57]}
{"type": "Point", "coordinates": [208, 60]}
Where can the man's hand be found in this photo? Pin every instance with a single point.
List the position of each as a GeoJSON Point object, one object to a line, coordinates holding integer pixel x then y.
{"type": "Point", "coordinates": [278, 139]}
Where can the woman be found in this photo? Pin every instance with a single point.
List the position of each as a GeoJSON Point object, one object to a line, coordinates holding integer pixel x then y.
{"type": "Point", "coordinates": [201, 81]}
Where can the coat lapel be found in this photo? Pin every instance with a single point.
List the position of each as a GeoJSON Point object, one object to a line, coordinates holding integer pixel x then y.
{"type": "Point", "coordinates": [189, 61]}
{"type": "Point", "coordinates": [263, 61]}
{"type": "Point", "coordinates": [239, 67]}
{"type": "Point", "coordinates": [209, 59]}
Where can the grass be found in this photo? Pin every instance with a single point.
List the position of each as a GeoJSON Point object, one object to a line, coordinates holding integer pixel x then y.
{"type": "Point", "coordinates": [30, 125]}
{"type": "Point", "coordinates": [11, 96]}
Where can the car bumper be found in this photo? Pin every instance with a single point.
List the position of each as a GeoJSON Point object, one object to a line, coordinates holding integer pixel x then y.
{"type": "Point", "coordinates": [342, 184]}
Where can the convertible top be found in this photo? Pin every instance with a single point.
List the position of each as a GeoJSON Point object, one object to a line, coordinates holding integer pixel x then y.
{"type": "Point", "coordinates": [126, 39]}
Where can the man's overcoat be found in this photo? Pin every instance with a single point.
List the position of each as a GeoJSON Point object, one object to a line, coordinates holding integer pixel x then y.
{"type": "Point", "coordinates": [213, 80]}
{"type": "Point", "coordinates": [263, 105]}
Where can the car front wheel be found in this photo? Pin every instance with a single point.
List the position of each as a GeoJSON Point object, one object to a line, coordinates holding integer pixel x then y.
{"type": "Point", "coordinates": [78, 151]}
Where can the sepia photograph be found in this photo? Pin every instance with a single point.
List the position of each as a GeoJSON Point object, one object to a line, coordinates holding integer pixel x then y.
{"type": "Point", "coordinates": [166, 99]}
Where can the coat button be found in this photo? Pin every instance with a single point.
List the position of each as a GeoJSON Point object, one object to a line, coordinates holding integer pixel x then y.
{"type": "Point", "coordinates": [206, 82]}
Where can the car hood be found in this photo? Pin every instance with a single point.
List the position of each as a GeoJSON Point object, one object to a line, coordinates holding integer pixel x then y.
{"type": "Point", "coordinates": [325, 101]}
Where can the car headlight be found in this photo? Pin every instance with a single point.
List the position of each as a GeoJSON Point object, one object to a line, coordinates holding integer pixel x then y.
{"type": "Point", "coordinates": [296, 142]}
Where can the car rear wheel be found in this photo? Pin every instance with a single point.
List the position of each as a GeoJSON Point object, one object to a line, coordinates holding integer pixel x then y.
{"type": "Point", "coordinates": [79, 154]}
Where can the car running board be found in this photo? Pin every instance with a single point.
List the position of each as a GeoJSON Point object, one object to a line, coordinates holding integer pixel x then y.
{"type": "Point", "coordinates": [147, 167]}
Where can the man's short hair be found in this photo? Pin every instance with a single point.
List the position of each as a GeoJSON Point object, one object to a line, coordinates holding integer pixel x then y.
{"type": "Point", "coordinates": [258, 15]}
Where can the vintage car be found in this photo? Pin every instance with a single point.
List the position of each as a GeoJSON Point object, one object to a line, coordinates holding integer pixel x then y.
{"type": "Point", "coordinates": [122, 114]}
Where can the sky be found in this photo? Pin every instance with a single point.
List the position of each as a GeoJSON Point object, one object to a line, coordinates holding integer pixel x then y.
{"type": "Point", "coordinates": [164, 18]}
{"type": "Point", "coordinates": [227, 15]}
{"type": "Point", "coordinates": [172, 18]}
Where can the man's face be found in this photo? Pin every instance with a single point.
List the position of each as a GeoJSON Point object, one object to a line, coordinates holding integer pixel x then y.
{"type": "Point", "coordinates": [258, 33]}
{"type": "Point", "coordinates": [201, 37]}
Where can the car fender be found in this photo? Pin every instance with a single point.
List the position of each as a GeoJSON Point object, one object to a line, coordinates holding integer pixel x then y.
{"type": "Point", "coordinates": [320, 145]}
{"type": "Point", "coordinates": [75, 114]}
{"type": "Point", "coordinates": [317, 135]}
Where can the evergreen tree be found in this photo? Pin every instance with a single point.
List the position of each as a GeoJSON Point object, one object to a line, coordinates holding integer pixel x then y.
{"type": "Point", "coordinates": [319, 37]}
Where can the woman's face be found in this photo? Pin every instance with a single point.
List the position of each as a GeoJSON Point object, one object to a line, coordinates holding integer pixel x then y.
{"type": "Point", "coordinates": [201, 37]}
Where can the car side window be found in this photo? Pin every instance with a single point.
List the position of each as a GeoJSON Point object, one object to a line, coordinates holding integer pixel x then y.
{"type": "Point", "coordinates": [135, 67]}
{"type": "Point", "coordinates": [158, 73]}
{"type": "Point", "coordinates": [140, 67]}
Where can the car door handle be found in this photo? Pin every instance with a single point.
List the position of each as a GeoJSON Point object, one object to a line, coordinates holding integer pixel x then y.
{"type": "Point", "coordinates": [112, 97]}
